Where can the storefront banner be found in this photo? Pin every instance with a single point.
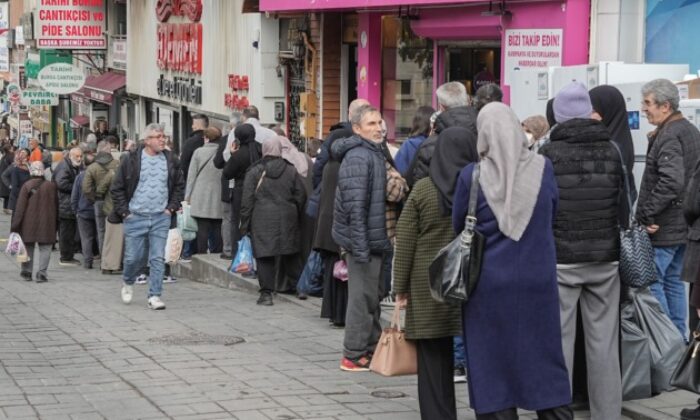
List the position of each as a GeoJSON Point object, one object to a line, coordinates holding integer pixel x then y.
{"type": "Point", "coordinates": [62, 24]}
{"type": "Point", "coordinates": [36, 97]}
{"type": "Point", "coordinates": [61, 78]}
{"type": "Point", "coordinates": [531, 49]}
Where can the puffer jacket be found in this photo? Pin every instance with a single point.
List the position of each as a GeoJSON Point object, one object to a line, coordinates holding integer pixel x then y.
{"type": "Point", "coordinates": [672, 154]}
{"type": "Point", "coordinates": [359, 219]}
{"type": "Point", "coordinates": [273, 201]}
{"type": "Point", "coordinates": [588, 170]}
{"type": "Point", "coordinates": [461, 116]}
{"type": "Point", "coordinates": [64, 177]}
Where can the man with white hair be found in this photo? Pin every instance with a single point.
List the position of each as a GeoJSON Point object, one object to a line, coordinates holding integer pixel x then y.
{"type": "Point", "coordinates": [251, 116]}
{"type": "Point", "coordinates": [147, 191]}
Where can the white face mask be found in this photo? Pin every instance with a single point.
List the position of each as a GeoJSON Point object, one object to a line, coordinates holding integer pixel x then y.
{"type": "Point", "coordinates": [530, 138]}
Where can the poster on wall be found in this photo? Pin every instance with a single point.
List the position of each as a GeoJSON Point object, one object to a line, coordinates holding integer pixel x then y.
{"type": "Point", "coordinates": [71, 25]}
{"type": "Point", "coordinates": [672, 33]}
{"type": "Point", "coordinates": [531, 49]}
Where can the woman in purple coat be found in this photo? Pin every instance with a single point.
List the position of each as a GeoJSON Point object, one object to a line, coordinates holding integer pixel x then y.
{"type": "Point", "coordinates": [511, 321]}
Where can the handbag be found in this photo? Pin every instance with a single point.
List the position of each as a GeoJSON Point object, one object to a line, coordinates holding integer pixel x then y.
{"type": "Point", "coordinates": [394, 355]}
{"type": "Point", "coordinates": [454, 272]}
{"type": "Point", "coordinates": [637, 267]}
{"type": "Point", "coordinates": [687, 373]}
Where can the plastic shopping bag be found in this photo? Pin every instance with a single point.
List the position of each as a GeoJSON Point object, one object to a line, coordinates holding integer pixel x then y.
{"type": "Point", "coordinates": [188, 222]}
{"type": "Point", "coordinates": [635, 356]}
{"type": "Point", "coordinates": [173, 246]}
{"type": "Point", "coordinates": [340, 270]}
{"type": "Point", "coordinates": [186, 234]}
{"type": "Point", "coordinates": [311, 280]}
{"type": "Point", "coordinates": [244, 262]}
{"type": "Point", "coordinates": [15, 248]}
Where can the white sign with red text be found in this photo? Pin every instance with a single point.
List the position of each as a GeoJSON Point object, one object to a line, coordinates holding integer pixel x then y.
{"type": "Point", "coordinates": [71, 24]}
{"type": "Point", "coordinates": [531, 49]}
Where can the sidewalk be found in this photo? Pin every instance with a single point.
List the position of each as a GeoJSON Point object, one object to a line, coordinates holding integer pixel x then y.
{"type": "Point", "coordinates": [211, 269]}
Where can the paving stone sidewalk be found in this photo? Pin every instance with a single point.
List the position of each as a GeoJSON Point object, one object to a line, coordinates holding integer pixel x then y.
{"type": "Point", "coordinates": [69, 349]}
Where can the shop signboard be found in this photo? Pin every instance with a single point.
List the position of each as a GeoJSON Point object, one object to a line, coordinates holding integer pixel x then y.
{"type": "Point", "coordinates": [62, 24]}
{"type": "Point", "coordinates": [61, 78]}
{"type": "Point", "coordinates": [38, 97]}
{"type": "Point", "coordinates": [531, 49]}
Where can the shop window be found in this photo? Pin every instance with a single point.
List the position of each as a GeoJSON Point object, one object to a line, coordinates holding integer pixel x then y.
{"type": "Point", "coordinates": [407, 75]}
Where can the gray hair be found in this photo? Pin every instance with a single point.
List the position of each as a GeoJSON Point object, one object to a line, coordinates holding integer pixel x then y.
{"type": "Point", "coordinates": [664, 91]}
{"type": "Point", "coordinates": [487, 94]}
{"type": "Point", "coordinates": [104, 147]}
{"type": "Point", "coordinates": [452, 94]}
{"type": "Point", "coordinates": [152, 128]}
{"type": "Point", "coordinates": [359, 113]}
{"type": "Point", "coordinates": [91, 138]}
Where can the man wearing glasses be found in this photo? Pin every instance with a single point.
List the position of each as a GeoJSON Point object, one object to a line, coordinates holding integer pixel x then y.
{"type": "Point", "coordinates": [147, 191]}
{"type": "Point", "coordinates": [672, 154]}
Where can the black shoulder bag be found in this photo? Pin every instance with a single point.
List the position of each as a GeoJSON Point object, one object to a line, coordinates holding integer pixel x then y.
{"type": "Point", "coordinates": [455, 270]}
{"type": "Point", "coordinates": [637, 267]}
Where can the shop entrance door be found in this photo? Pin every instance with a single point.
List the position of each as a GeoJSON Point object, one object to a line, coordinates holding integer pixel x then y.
{"type": "Point", "coordinates": [472, 63]}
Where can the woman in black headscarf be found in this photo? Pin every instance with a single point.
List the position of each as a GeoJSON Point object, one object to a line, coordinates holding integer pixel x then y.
{"type": "Point", "coordinates": [550, 113]}
{"type": "Point", "coordinates": [424, 228]}
{"type": "Point", "coordinates": [609, 105]}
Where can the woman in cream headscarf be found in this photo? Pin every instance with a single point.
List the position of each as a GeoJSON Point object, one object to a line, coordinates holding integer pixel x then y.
{"type": "Point", "coordinates": [511, 321]}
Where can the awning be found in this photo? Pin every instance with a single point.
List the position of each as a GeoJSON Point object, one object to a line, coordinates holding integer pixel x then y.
{"type": "Point", "coordinates": [102, 88]}
{"type": "Point", "coordinates": [79, 121]}
{"type": "Point", "coordinates": [251, 6]}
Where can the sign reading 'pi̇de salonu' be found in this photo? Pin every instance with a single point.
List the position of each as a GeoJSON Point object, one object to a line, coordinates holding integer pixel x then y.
{"type": "Point", "coordinates": [71, 24]}
{"type": "Point", "coordinates": [61, 78]}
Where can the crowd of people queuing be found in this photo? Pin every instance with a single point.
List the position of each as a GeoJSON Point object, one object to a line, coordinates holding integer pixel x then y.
{"type": "Point", "coordinates": [551, 198]}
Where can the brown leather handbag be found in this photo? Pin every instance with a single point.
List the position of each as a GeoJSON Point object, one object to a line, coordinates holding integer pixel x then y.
{"type": "Point", "coordinates": [394, 355]}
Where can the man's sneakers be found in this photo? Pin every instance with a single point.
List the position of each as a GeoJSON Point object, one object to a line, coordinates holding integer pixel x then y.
{"type": "Point", "coordinates": [141, 279]}
{"type": "Point", "coordinates": [460, 375]}
{"type": "Point", "coordinates": [26, 275]}
{"type": "Point", "coordinates": [41, 278]}
{"type": "Point", "coordinates": [359, 365]}
{"type": "Point", "coordinates": [127, 293]}
{"type": "Point", "coordinates": [169, 279]}
{"type": "Point", "coordinates": [155, 303]}
{"type": "Point", "coordinates": [69, 263]}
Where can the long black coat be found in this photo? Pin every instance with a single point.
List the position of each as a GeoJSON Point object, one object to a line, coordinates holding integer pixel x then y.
{"type": "Point", "coordinates": [691, 211]}
{"type": "Point", "coordinates": [64, 177]}
{"type": "Point", "coordinates": [5, 163]}
{"type": "Point", "coordinates": [323, 239]}
{"type": "Point", "coordinates": [272, 211]}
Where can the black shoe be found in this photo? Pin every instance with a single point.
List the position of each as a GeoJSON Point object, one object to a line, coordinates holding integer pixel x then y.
{"type": "Point", "coordinates": [106, 272]}
{"type": "Point", "coordinates": [88, 266]}
{"type": "Point", "coordinates": [69, 263]}
{"type": "Point", "coordinates": [225, 256]}
{"type": "Point", "coordinates": [41, 278]}
{"type": "Point", "coordinates": [302, 296]}
{"type": "Point", "coordinates": [460, 375]}
{"type": "Point", "coordinates": [265, 299]}
{"type": "Point", "coordinates": [690, 413]}
{"type": "Point", "coordinates": [26, 275]}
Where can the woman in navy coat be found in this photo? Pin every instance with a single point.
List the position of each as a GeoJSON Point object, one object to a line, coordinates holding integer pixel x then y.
{"type": "Point", "coordinates": [511, 321]}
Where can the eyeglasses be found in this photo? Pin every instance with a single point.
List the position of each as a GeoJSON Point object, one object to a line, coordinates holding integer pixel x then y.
{"type": "Point", "coordinates": [157, 136]}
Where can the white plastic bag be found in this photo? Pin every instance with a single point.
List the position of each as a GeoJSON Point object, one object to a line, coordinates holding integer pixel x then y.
{"type": "Point", "coordinates": [173, 246]}
{"type": "Point", "coordinates": [15, 248]}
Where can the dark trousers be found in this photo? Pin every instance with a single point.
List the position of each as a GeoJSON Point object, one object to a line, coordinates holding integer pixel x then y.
{"type": "Point", "coordinates": [205, 228]}
{"type": "Point", "coordinates": [236, 202]}
{"type": "Point", "coordinates": [267, 270]}
{"type": "Point", "coordinates": [88, 235]}
{"type": "Point", "coordinates": [436, 388]}
{"type": "Point", "coordinates": [66, 238]}
{"type": "Point", "coordinates": [557, 413]}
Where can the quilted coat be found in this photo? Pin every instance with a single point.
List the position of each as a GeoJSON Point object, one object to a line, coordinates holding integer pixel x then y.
{"type": "Point", "coordinates": [64, 177]}
{"type": "Point", "coordinates": [359, 216]}
{"type": "Point", "coordinates": [272, 214]}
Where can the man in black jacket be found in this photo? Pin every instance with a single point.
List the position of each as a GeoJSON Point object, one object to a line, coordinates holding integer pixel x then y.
{"type": "Point", "coordinates": [194, 142]}
{"type": "Point", "coordinates": [589, 175]}
{"type": "Point", "coordinates": [359, 227]}
{"type": "Point", "coordinates": [66, 172]}
{"type": "Point", "coordinates": [672, 154]}
{"type": "Point", "coordinates": [147, 190]}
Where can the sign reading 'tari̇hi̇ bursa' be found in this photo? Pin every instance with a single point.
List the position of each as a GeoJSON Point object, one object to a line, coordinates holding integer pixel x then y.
{"type": "Point", "coordinates": [531, 49]}
{"type": "Point", "coordinates": [71, 24]}
{"type": "Point", "coordinates": [61, 78]}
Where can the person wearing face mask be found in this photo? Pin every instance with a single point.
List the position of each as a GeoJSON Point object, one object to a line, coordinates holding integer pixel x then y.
{"type": "Point", "coordinates": [535, 128]}
{"type": "Point", "coordinates": [65, 175]}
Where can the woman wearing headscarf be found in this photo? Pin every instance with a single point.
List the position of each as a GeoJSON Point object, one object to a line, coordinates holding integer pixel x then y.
{"type": "Point", "coordinates": [511, 322]}
{"type": "Point", "coordinates": [424, 228]}
{"type": "Point", "coordinates": [273, 201]}
{"type": "Point", "coordinates": [35, 219]}
{"type": "Point", "coordinates": [610, 108]}
{"type": "Point", "coordinates": [8, 156]}
{"type": "Point", "coordinates": [245, 151]}
{"type": "Point", "coordinates": [203, 192]}
{"type": "Point", "coordinates": [16, 175]}
{"type": "Point", "coordinates": [535, 127]}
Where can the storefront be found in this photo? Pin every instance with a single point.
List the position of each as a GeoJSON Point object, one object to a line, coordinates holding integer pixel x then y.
{"type": "Point", "coordinates": [407, 49]}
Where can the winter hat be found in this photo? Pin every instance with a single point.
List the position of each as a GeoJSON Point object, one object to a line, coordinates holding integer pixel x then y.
{"type": "Point", "coordinates": [571, 102]}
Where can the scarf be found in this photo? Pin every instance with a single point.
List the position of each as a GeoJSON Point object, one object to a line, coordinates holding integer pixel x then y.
{"type": "Point", "coordinates": [610, 104]}
{"type": "Point", "coordinates": [455, 148]}
{"type": "Point", "coordinates": [396, 189]}
{"type": "Point", "coordinates": [511, 175]}
{"type": "Point", "coordinates": [272, 147]}
{"type": "Point", "coordinates": [292, 155]}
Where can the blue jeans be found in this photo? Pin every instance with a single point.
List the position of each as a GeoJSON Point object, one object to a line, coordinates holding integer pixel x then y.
{"type": "Point", "coordinates": [142, 231]}
{"type": "Point", "coordinates": [459, 352]}
{"type": "Point", "coordinates": [669, 290]}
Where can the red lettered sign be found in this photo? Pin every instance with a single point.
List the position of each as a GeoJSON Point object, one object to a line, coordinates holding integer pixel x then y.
{"type": "Point", "coordinates": [71, 24]}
